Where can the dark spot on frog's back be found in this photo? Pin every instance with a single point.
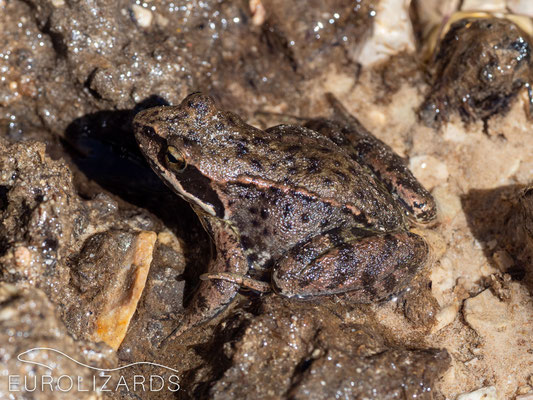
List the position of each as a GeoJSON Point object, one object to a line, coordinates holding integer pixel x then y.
{"type": "Point", "coordinates": [260, 141]}
{"type": "Point", "coordinates": [275, 191]}
{"type": "Point", "coordinates": [368, 281]}
{"type": "Point", "coordinates": [241, 150]}
{"type": "Point", "coordinates": [313, 165]}
{"type": "Point", "coordinates": [290, 159]}
{"type": "Point", "coordinates": [256, 164]}
{"type": "Point", "coordinates": [232, 119]}
{"type": "Point", "coordinates": [389, 284]}
{"type": "Point", "coordinates": [340, 174]}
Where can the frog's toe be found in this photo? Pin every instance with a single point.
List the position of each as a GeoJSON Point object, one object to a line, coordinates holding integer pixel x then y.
{"type": "Point", "coordinates": [211, 298]}
{"type": "Point", "coordinates": [183, 327]}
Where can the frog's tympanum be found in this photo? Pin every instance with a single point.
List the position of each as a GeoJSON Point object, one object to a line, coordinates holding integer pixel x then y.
{"type": "Point", "coordinates": [479, 67]}
{"type": "Point", "coordinates": [326, 207]}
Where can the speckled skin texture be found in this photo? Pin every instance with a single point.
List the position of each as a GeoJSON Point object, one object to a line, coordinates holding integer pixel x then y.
{"type": "Point", "coordinates": [287, 198]}
{"type": "Point", "coordinates": [363, 147]}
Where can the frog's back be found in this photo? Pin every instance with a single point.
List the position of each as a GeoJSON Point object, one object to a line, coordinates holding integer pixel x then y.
{"type": "Point", "coordinates": [226, 150]}
{"type": "Point", "coordinates": [299, 160]}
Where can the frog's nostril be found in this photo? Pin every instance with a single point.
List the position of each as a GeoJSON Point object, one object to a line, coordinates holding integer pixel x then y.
{"type": "Point", "coordinates": [199, 102]}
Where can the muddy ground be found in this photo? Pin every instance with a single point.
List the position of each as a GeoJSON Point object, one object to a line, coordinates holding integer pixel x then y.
{"type": "Point", "coordinates": [79, 205]}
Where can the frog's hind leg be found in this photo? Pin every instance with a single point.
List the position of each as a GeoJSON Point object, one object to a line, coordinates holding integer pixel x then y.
{"type": "Point", "coordinates": [347, 132]}
{"type": "Point", "coordinates": [371, 268]}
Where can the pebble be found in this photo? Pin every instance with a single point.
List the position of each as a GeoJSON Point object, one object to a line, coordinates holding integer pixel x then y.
{"type": "Point", "coordinates": [23, 257]}
{"type": "Point", "coordinates": [142, 16]}
{"type": "Point", "coordinates": [486, 313]}
{"type": "Point", "coordinates": [445, 317]}
{"type": "Point", "coordinates": [483, 5]}
{"type": "Point", "coordinates": [486, 393]}
{"type": "Point", "coordinates": [113, 322]}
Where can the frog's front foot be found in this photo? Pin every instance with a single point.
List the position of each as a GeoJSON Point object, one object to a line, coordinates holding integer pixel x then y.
{"type": "Point", "coordinates": [370, 267]}
{"type": "Point", "coordinates": [211, 297]}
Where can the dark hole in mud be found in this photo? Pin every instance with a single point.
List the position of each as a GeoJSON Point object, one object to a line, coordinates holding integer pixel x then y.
{"type": "Point", "coordinates": [57, 39]}
{"type": "Point", "coordinates": [303, 366]}
{"type": "Point", "coordinates": [4, 246]}
{"type": "Point", "coordinates": [50, 244]}
{"type": "Point", "coordinates": [4, 190]}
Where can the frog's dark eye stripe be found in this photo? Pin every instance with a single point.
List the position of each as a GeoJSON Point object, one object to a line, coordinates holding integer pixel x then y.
{"type": "Point", "coordinates": [175, 159]}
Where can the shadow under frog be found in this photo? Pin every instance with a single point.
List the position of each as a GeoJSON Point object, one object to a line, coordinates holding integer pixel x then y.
{"type": "Point", "coordinates": [477, 70]}
{"type": "Point", "coordinates": [325, 208]}
{"type": "Point", "coordinates": [103, 148]}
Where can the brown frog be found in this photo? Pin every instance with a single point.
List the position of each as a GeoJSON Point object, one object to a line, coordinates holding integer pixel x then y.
{"type": "Point", "coordinates": [324, 206]}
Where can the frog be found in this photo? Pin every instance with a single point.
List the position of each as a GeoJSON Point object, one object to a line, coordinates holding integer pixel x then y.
{"type": "Point", "coordinates": [319, 209]}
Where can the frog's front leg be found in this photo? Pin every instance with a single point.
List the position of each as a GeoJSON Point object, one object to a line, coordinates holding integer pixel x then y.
{"type": "Point", "coordinates": [347, 132]}
{"type": "Point", "coordinates": [369, 266]}
{"type": "Point", "coordinates": [213, 296]}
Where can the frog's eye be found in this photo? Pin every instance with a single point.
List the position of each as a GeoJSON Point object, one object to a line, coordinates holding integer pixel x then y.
{"type": "Point", "coordinates": [175, 159]}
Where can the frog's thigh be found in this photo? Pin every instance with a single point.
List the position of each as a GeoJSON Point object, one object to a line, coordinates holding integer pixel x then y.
{"type": "Point", "coordinates": [371, 268]}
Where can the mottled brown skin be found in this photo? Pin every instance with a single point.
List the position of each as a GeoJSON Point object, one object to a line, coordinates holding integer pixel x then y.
{"type": "Point", "coordinates": [364, 148]}
{"type": "Point", "coordinates": [478, 69]}
{"type": "Point", "coordinates": [288, 199]}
